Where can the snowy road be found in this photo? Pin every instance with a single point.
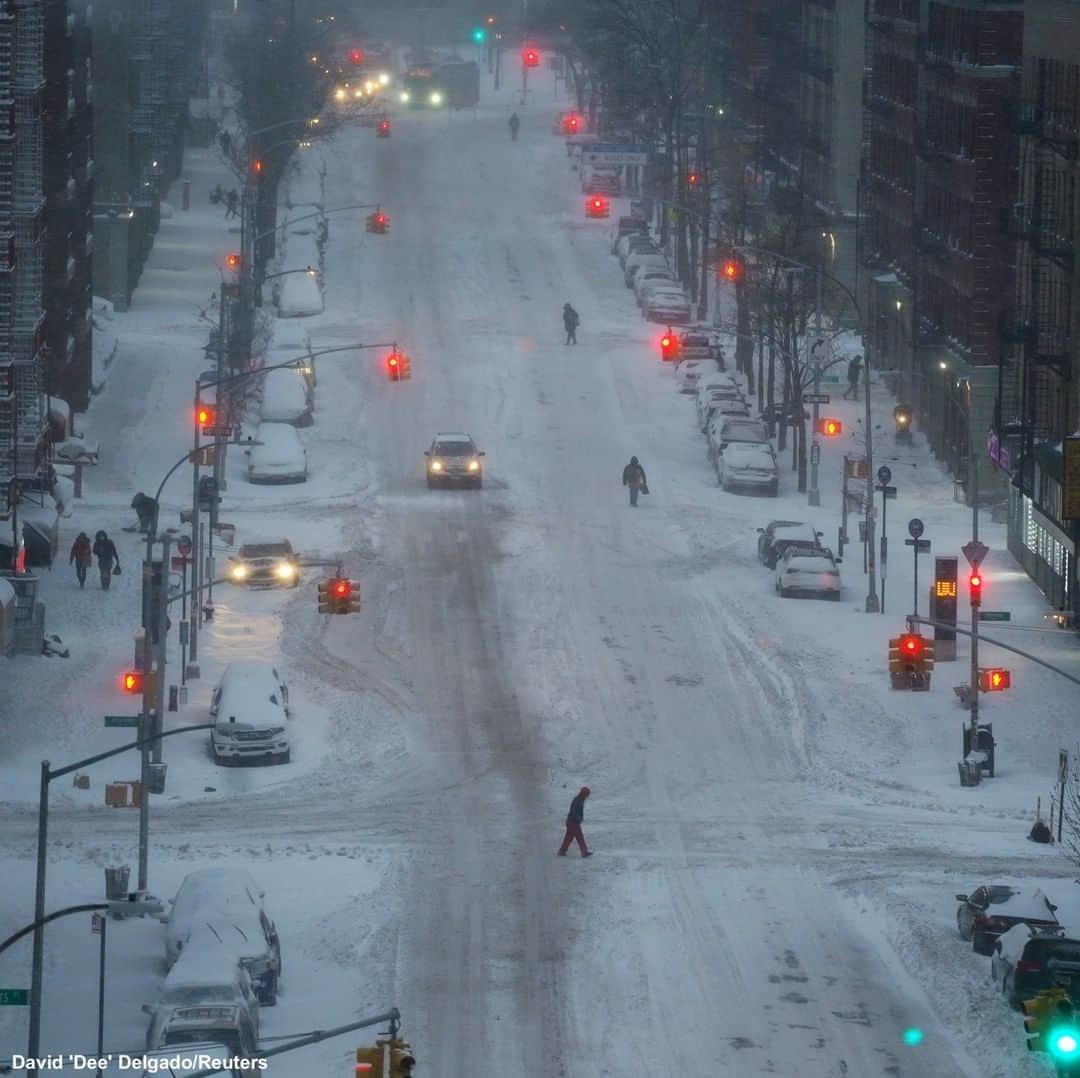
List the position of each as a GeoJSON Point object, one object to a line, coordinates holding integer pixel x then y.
{"type": "Point", "coordinates": [757, 841]}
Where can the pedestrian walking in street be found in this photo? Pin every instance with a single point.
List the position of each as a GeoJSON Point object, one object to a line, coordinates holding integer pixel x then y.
{"type": "Point", "coordinates": [145, 509]}
{"type": "Point", "coordinates": [574, 819]}
{"type": "Point", "coordinates": [853, 370]}
{"type": "Point", "coordinates": [107, 558]}
{"type": "Point", "coordinates": [232, 202]}
{"type": "Point", "coordinates": [82, 557]}
{"type": "Point", "coordinates": [571, 320]}
{"type": "Point", "coordinates": [633, 476]}
{"type": "Point", "coordinates": [515, 124]}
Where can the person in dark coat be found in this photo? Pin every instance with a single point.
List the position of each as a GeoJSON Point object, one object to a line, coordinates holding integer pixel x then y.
{"type": "Point", "coordinates": [574, 819]}
{"type": "Point", "coordinates": [853, 370]}
{"type": "Point", "coordinates": [107, 558]}
{"type": "Point", "coordinates": [232, 203]}
{"type": "Point", "coordinates": [82, 557]}
{"type": "Point", "coordinates": [633, 476]}
{"type": "Point", "coordinates": [571, 320]}
{"type": "Point", "coordinates": [145, 509]}
{"type": "Point", "coordinates": [515, 123]}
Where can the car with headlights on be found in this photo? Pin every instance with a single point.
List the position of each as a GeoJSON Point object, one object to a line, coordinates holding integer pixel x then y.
{"type": "Point", "coordinates": [749, 466]}
{"type": "Point", "coordinates": [250, 709]}
{"type": "Point", "coordinates": [808, 572]}
{"type": "Point", "coordinates": [990, 910]}
{"type": "Point", "coordinates": [454, 458]}
{"type": "Point", "coordinates": [265, 565]}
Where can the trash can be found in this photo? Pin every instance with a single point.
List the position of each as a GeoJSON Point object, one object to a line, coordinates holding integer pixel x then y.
{"type": "Point", "coordinates": [155, 778]}
{"type": "Point", "coordinates": [116, 881]}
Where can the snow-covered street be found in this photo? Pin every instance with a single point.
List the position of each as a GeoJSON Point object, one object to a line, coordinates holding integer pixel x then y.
{"type": "Point", "coordinates": [778, 836]}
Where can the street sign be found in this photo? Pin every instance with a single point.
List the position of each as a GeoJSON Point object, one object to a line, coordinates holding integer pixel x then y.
{"type": "Point", "coordinates": [915, 527]}
{"type": "Point", "coordinates": [218, 432]}
{"type": "Point", "coordinates": [603, 153]}
{"type": "Point", "coordinates": [975, 552]}
{"type": "Point", "coordinates": [884, 475]}
{"type": "Point", "coordinates": [183, 545]}
{"type": "Point", "coordinates": [995, 615]}
{"type": "Point", "coordinates": [889, 493]}
{"type": "Point", "coordinates": [178, 562]}
{"type": "Point", "coordinates": [14, 997]}
{"type": "Point", "coordinates": [96, 922]}
{"type": "Point", "coordinates": [815, 398]}
{"type": "Point", "coordinates": [919, 544]}
{"type": "Point", "coordinates": [122, 720]}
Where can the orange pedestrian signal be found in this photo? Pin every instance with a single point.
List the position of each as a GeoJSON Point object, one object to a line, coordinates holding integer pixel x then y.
{"type": "Point", "coordinates": [692, 179]}
{"type": "Point", "coordinates": [132, 682]}
{"type": "Point", "coordinates": [995, 680]}
{"type": "Point", "coordinates": [256, 166]}
{"type": "Point", "coordinates": [204, 416]}
{"type": "Point", "coordinates": [232, 260]}
{"type": "Point", "coordinates": [829, 428]}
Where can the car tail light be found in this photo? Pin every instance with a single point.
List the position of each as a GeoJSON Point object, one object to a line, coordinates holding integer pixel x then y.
{"type": "Point", "coordinates": [1023, 966]}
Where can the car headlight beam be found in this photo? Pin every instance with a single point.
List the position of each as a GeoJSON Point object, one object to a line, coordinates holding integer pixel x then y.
{"type": "Point", "coordinates": [436, 98]}
{"type": "Point", "coordinates": [239, 572]}
{"type": "Point", "coordinates": [404, 96]}
{"type": "Point", "coordinates": [285, 571]}
{"type": "Point", "coordinates": [474, 465]}
{"type": "Point", "coordinates": [436, 465]}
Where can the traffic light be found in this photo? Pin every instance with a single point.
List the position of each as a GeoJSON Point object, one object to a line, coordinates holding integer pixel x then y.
{"type": "Point", "coordinates": [1063, 1039]}
{"type": "Point", "coordinates": [490, 20]}
{"type": "Point", "coordinates": [597, 206]}
{"type": "Point", "coordinates": [383, 129]}
{"type": "Point", "coordinates": [479, 35]}
{"type": "Point", "coordinates": [669, 347]}
{"type": "Point", "coordinates": [530, 57]}
{"type": "Point", "coordinates": [829, 428]}
{"type": "Point", "coordinates": [257, 167]}
{"type": "Point", "coordinates": [402, 1059]}
{"type": "Point", "coordinates": [369, 1061]}
{"type": "Point", "coordinates": [356, 56]}
{"type": "Point", "coordinates": [693, 179]}
{"type": "Point", "coordinates": [132, 682]}
{"type": "Point", "coordinates": [398, 366]}
{"type": "Point", "coordinates": [338, 596]}
{"type": "Point", "coordinates": [911, 658]}
{"type": "Point", "coordinates": [731, 269]}
{"type": "Point", "coordinates": [571, 124]}
{"type": "Point", "coordinates": [975, 588]}
{"type": "Point", "coordinates": [232, 261]}
{"type": "Point", "coordinates": [204, 416]}
{"type": "Point", "coordinates": [995, 679]}
{"type": "Point", "coordinates": [378, 223]}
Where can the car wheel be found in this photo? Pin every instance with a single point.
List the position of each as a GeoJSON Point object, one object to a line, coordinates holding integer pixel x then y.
{"type": "Point", "coordinates": [774, 489]}
{"type": "Point", "coordinates": [964, 935]}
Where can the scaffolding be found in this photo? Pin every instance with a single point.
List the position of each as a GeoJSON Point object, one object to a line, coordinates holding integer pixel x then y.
{"type": "Point", "coordinates": [23, 442]}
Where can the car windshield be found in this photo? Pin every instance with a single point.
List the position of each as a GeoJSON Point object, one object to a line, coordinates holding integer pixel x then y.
{"type": "Point", "coordinates": [454, 449]}
{"type": "Point", "coordinates": [266, 550]}
{"type": "Point", "coordinates": [228, 1038]}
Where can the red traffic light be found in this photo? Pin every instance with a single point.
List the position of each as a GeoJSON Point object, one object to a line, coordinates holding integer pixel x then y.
{"type": "Point", "coordinates": [531, 58]}
{"type": "Point", "coordinates": [665, 342]}
{"type": "Point", "coordinates": [692, 179]}
{"type": "Point", "coordinates": [341, 589]}
{"type": "Point", "coordinates": [392, 360]}
{"type": "Point", "coordinates": [912, 646]}
{"type": "Point", "coordinates": [356, 56]}
{"type": "Point", "coordinates": [975, 588]}
{"type": "Point", "coordinates": [571, 124]}
{"type": "Point", "coordinates": [256, 166]}
{"type": "Point", "coordinates": [204, 416]}
{"type": "Point", "coordinates": [731, 269]}
{"type": "Point", "coordinates": [132, 682]}
{"type": "Point", "coordinates": [995, 679]}
{"type": "Point", "coordinates": [384, 127]}
{"type": "Point", "coordinates": [232, 260]}
{"type": "Point", "coordinates": [597, 207]}
{"type": "Point", "coordinates": [830, 428]}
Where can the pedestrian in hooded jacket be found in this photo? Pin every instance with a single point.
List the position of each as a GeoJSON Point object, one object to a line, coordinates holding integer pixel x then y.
{"type": "Point", "coordinates": [574, 819]}
{"type": "Point", "coordinates": [571, 320]}
{"type": "Point", "coordinates": [633, 476]}
{"type": "Point", "coordinates": [107, 557]}
{"type": "Point", "coordinates": [82, 557]}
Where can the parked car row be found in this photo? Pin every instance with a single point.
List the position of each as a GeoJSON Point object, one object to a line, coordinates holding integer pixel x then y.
{"type": "Point", "coordinates": [1030, 950]}
{"type": "Point", "coordinates": [801, 564]}
{"type": "Point", "coordinates": [287, 403]}
{"type": "Point", "coordinates": [223, 958]}
{"type": "Point", "coordinates": [646, 270]}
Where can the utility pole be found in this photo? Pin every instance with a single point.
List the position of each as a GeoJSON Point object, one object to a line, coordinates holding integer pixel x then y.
{"type": "Point", "coordinates": [813, 496]}
{"type": "Point", "coordinates": [973, 465]}
{"type": "Point", "coordinates": [872, 604]}
{"type": "Point", "coordinates": [196, 547]}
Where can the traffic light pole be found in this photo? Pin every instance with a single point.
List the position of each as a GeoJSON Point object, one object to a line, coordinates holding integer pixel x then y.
{"type": "Point", "coordinates": [813, 496]}
{"type": "Point", "coordinates": [196, 546]}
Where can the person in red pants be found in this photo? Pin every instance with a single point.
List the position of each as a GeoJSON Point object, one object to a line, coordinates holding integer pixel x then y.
{"type": "Point", "coordinates": [574, 819]}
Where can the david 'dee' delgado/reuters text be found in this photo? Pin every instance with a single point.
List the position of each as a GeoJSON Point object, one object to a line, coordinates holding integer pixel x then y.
{"type": "Point", "coordinates": [152, 1064]}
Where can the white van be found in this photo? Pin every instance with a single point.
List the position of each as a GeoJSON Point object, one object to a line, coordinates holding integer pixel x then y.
{"type": "Point", "coordinates": [250, 707]}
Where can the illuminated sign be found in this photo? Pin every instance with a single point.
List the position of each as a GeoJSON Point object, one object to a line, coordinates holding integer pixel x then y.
{"type": "Point", "coordinates": [945, 591]}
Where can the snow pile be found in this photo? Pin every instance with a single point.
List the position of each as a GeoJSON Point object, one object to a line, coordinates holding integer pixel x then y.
{"type": "Point", "coordinates": [105, 343]}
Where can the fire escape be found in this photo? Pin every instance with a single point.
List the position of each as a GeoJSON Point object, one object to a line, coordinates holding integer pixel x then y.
{"type": "Point", "coordinates": [23, 442]}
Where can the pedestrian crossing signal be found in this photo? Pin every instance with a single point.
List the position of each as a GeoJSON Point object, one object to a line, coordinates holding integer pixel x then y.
{"type": "Point", "coordinates": [995, 680]}
{"type": "Point", "coordinates": [369, 1061]}
{"type": "Point", "coordinates": [132, 682]}
{"type": "Point", "coordinates": [829, 428]}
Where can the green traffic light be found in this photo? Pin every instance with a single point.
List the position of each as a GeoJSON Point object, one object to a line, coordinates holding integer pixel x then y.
{"type": "Point", "coordinates": [479, 35]}
{"type": "Point", "coordinates": [1065, 1043]}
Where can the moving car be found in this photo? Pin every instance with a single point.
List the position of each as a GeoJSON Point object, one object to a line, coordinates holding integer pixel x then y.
{"type": "Point", "coordinates": [808, 572]}
{"type": "Point", "coordinates": [990, 910]}
{"type": "Point", "coordinates": [778, 535]}
{"type": "Point", "coordinates": [280, 458]}
{"type": "Point", "coordinates": [748, 465]}
{"type": "Point", "coordinates": [286, 398]}
{"type": "Point", "coordinates": [453, 457]}
{"type": "Point", "coordinates": [250, 707]}
{"type": "Point", "coordinates": [266, 564]}
{"type": "Point", "coordinates": [1026, 961]}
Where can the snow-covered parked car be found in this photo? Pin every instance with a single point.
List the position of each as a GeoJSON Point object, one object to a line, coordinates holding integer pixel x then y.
{"type": "Point", "coordinates": [286, 398]}
{"type": "Point", "coordinates": [808, 572]}
{"type": "Point", "coordinates": [723, 430]}
{"type": "Point", "coordinates": [690, 372]}
{"type": "Point", "coordinates": [1026, 961]}
{"type": "Point", "coordinates": [651, 279]}
{"type": "Point", "coordinates": [778, 535]}
{"type": "Point", "coordinates": [250, 707]}
{"type": "Point", "coordinates": [990, 910]}
{"type": "Point", "coordinates": [629, 242]}
{"type": "Point", "coordinates": [230, 901]}
{"type": "Point", "coordinates": [207, 973]}
{"type": "Point", "coordinates": [291, 342]}
{"type": "Point", "coordinates": [279, 458]}
{"type": "Point", "coordinates": [299, 297]}
{"type": "Point", "coordinates": [638, 260]}
{"type": "Point", "coordinates": [666, 307]}
{"type": "Point", "coordinates": [272, 563]}
{"type": "Point", "coordinates": [723, 400]}
{"type": "Point", "coordinates": [748, 466]}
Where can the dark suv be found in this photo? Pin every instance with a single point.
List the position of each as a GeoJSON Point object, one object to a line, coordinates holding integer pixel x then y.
{"type": "Point", "coordinates": [988, 911]}
{"type": "Point", "coordinates": [1027, 961]}
{"type": "Point", "coordinates": [778, 535]}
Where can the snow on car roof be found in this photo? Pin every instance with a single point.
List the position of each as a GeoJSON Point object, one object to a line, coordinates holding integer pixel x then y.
{"type": "Point", "coordinates": [300, 296]}
{"type": "Point", "coordinates": [204, 960]}
{"type": "Point", "coordinates": [1031, 905]}
{"type": "Point", "coordinates": [452, 436]}
{"type": "Point", "coordinates": [290, 335]}
{"type": "Point", "coordinates": [284, 393]}
{"type": "Point", "coordinates": [249, 670]}
{"type": "Point", "coordinates": [206, 891]}
{"type": "Point", "coordinates": [280, 444]}
{"type": "Point", "coordinates": [750, 449]}
{"type": "Point", "coordinates": [1013, 941]}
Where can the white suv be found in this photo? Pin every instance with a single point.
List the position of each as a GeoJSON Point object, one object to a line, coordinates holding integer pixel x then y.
{"type": "Point", "coordinates": [250, 708]}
